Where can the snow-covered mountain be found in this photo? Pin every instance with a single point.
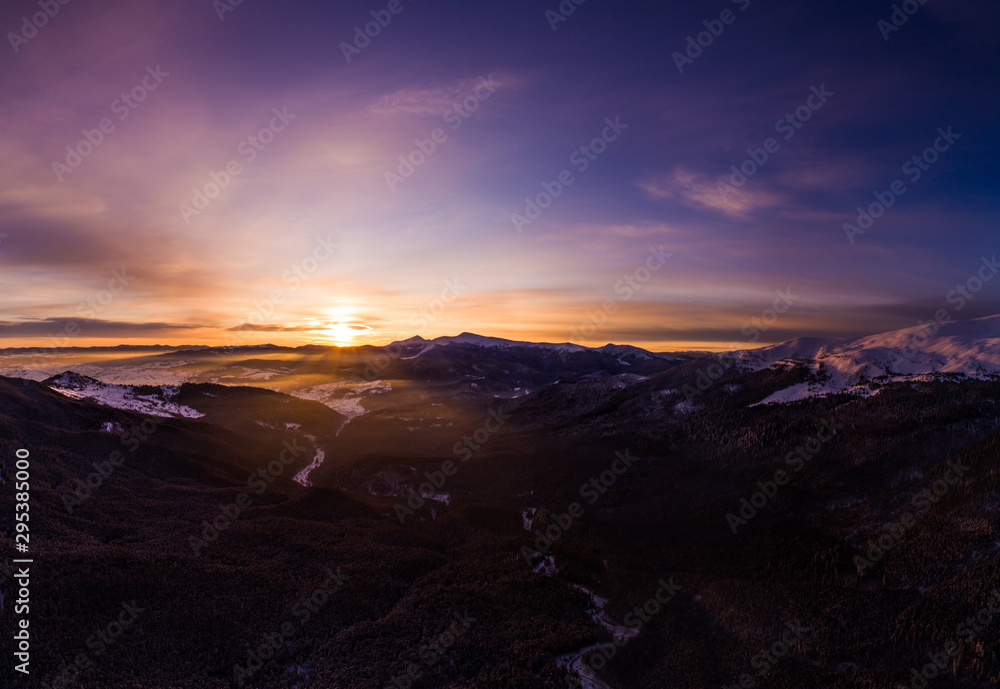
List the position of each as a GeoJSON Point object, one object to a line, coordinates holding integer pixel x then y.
{"type": "Point", "coordinates": [621, 355]}
{"type": "Point", "coordinates": [524, 365]}
{"type": "Point", "coordinates": [470, 366]}
{"type": "Point", "coordinates": [152, 400]}
{"type": "Point", "coordinates": [952, 349]}
{"type": "Point", "coordinates": [501, 343]}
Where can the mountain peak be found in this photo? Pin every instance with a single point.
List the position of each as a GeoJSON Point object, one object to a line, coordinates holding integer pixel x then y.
{"type": "Point", "coordinates": [70, 380]}
{"type": "Point", "coordinates": [968, 348]}
{"type": "Point", "coordinates": [474, 339]}
{"type": "Point", "coordinates": [416, 339]}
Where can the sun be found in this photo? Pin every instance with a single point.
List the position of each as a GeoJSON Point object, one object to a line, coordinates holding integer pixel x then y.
{"type": "Point", "coordinates": [340, 327]}
{"type": "Point", "coordinates": [340, 333]}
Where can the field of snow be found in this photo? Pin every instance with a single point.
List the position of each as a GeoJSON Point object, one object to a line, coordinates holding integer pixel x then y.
{"type": "Point", "coordinates": [122, 396]}
{"type": "Point", "coordinates": [343, 398]}
{"type": "Point", "coordinates": [965, 348]}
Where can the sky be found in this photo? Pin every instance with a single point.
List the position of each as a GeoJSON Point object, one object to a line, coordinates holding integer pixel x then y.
{"type": "Point", "coordinates": [198, 172]}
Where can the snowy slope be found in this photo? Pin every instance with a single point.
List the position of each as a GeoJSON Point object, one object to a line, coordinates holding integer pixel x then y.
{"type": "Point", "coordinates": [158, 403]}
{"type": "Point", "coordinates": [343, 397]}
{"type": "Point", "coordinates": [623, 350]}
{"type": "Point", "coordinates": [500, 343]}
{"type": "Point", "coordinates": [955, 348]}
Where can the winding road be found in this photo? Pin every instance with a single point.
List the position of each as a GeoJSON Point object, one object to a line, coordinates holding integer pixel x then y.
{"type": "Point", "coordinates": [575, 662]}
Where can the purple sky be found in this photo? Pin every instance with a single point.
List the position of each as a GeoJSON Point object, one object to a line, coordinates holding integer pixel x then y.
{"type": "Point", "coordinates": [320, 230]}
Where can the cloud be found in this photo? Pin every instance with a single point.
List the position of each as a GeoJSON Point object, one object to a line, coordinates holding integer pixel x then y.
{"type": "Point", "coordinates": [717, 194]}
{"type": "Point", "coordinates": [274, 328]}
{"type": "Point", "coordinates": [270, 328]}
{"type": "Point", "coordinates": [61, 327]}
{"type": "Point", "coordinates": [436, 100]}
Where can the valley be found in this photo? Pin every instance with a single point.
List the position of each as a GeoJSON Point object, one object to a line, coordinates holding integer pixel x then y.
{"type": "Point", "coordinates": [487, 445]}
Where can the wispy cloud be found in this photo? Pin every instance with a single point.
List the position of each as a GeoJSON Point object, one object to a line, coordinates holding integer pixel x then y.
{"type": "Point", "coordinates": [60, 327]}
{"type": "Point", "coordinates": [437, 99]}
{"type": "Point", "coordinates": [716, 194]}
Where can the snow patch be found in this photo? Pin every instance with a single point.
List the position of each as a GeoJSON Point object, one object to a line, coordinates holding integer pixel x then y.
{"type": "Point", "coordinates": [547, 567]}
{"type": "Point", "coordinates": [343, 398]}
{"type": "Point", "coordinates": [303, 476]}
{"type": "Point", "coordinates": [860, 366]}
{"type": "Point", "coordinates": [122, 396]}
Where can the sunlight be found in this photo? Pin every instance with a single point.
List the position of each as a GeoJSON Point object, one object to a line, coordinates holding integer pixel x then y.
{"type": "Point", "coordinates": [341, 327]}
{"type": "Point", "coordinates": [340, 333]}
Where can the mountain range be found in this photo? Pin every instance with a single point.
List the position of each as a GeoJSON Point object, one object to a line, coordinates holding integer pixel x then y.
{"type": "Point", "coordinates": [542, 493]}
{"type": "Point", "coordinates": [470, 365]}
